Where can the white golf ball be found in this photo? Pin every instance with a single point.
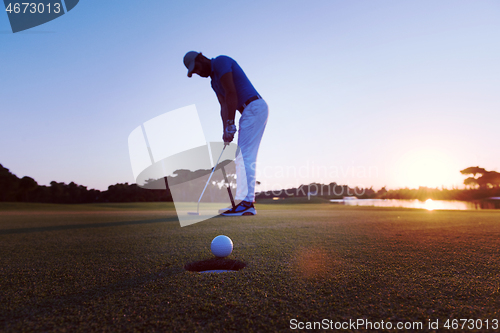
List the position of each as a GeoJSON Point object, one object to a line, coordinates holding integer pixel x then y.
{"type": "Point", "coordinates": [222, 246]}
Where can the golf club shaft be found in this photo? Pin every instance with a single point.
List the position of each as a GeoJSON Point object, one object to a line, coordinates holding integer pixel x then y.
{"type": "Point", "coordinates": [228, 186]}
{"type": "Point", "coordinates": [208, 181]}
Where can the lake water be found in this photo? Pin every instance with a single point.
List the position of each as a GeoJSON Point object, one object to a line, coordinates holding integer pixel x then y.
{"type": "Point", "coordinates": [429, 204]}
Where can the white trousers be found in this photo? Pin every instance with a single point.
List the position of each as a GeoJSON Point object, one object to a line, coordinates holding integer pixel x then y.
{"type": "Point", "coordinates": [251, 128]}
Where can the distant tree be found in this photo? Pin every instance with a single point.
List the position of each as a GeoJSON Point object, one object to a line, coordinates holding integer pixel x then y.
{"type": "Point", "coordinates": [27, 185]}
{"type": "Point", "coordinates": [471, 182]}
{"type": "Point", "coordinates": [473, 171]}
{"type": "Point", "coordinates": [9, 185]}
{"type": "Point", "coordinates": [490, 178]}
{"type": "Point", "coordinates": [382, 192]}
{"type": "Point", "coordinates": [486, 178]}
{"type": "Point", "coordinates": [57, 192]}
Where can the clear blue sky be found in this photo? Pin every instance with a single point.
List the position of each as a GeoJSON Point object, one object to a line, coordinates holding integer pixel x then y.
{"type": "Point", "coordinates": [367, 93]}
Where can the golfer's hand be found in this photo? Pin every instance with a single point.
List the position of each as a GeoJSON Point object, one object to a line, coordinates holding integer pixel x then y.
{"type": "Point", "coordinates": [229, 131]}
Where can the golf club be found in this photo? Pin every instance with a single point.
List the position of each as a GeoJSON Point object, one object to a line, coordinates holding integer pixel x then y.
{"type": "Point", "coordinates": [208, 181]}
{"type": "Point", "coordinates": [228, 186]}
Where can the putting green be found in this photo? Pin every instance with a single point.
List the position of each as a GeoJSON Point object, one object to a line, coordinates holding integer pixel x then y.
{"type": "Point", "coordinates": [121, 267]}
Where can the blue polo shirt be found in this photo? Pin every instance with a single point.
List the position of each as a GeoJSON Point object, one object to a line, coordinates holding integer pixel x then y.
{"type": "Point", "coordinates": [244, 88]}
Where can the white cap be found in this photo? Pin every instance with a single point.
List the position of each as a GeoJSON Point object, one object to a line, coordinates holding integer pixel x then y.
{"type": "Point", "coordinates": [189, 60]}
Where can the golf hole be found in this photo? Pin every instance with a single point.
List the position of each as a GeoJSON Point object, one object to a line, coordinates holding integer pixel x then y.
{"type": "Point", "coordinates": [215, 265]}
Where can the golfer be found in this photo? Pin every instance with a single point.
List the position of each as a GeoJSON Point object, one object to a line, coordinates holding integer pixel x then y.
{"type": "Point", "coordinates": [235, 92]}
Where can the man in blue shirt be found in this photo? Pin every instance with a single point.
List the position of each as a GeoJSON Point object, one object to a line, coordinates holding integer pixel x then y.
{"type": "Point", "coordinates": [235, 92]}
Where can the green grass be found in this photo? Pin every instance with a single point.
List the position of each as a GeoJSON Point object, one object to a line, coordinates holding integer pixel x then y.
{"type": "Point", "coordinates": [120, 267]}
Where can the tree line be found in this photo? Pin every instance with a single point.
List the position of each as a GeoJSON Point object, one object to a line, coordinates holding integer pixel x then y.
{"type": "Point", "coordinates": [26, 189]}
{"type": "Point", "coordinates": [481, 184]}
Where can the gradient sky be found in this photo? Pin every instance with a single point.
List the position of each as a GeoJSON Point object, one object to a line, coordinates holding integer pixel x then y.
{"type": "Point", "coordinates": [366, 93]}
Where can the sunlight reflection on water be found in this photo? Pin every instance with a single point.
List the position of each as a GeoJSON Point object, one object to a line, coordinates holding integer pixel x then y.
{"type": "Point", "coordinates": [429, 204]}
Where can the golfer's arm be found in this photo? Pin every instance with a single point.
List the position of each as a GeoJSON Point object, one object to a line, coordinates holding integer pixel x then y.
{"type": "Point", "coordinates": [231, 99]}
{"type": "Point", "coordinates": [223, 111]}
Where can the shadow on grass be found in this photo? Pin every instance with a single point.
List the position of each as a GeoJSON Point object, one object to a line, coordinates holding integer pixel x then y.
{"type": "Point", "coordinates": [84, 226]}
{"type": "Point", "coordinates": [58, 304]}
{"type": "Point", "coordinates": [215, 264]}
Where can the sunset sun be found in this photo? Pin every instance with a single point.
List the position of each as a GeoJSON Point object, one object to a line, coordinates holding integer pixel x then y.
{"type": "Point", "coordinates": [426, 167]}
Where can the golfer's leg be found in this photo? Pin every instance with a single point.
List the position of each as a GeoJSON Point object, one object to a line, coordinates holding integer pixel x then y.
{"type": "Point", "coordinates": [241, 177]}
{"type": "Point", "coordinates": [252, 125]}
